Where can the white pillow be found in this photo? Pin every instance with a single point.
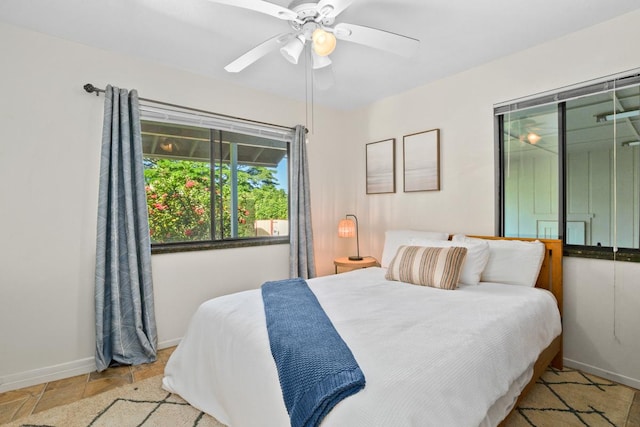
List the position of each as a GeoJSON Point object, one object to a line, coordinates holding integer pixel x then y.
{"type": "Point", "coordinates": [393, 239]}
{"type": "Point", "coordinates": [474, 263]}
{"type": "Point", "coordinates": [514, 262]}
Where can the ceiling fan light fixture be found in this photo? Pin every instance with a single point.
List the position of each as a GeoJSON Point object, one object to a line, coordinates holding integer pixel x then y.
{"type": "Point", "coordinates": [292, 50]}
{"type": "Point", "coordinates": [168, 145]}
{"type": "Point", "coordinates": [323, 78]}
{"type": "Point", "coordinates": [320, 61]}
{"type": "Point", "coordinates": [533, 138]}
{"type": "Point", "coordinates": [324, 42]}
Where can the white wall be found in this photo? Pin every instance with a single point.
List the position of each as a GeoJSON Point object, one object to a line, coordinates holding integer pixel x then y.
{"type": "Point", "coordinates": [461, 107]}
{"type": "Point", "coordinates": [50, 133]}
{"type": "Point", "coordinates": [49, 149]}
{"type": "Point", "coordinates": [602, 318]}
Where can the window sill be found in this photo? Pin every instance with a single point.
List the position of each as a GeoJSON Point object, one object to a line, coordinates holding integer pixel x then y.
{"type": "Point", "coordinates": [165, 248]}
{"type": "Point", "coordinates": [626, 255]}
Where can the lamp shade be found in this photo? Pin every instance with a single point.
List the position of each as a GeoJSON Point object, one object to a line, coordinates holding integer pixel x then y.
{"type": "Point", "coordinates": [292, 50]}
{"type": "Point", "coordinates": [347, 228]}
{"type": "Point", "coordinates": [320, 61]}
{"type": "Point", "coordinates": [323, 42]}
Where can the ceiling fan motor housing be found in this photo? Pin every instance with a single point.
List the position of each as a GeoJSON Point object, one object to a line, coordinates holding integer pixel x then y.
{"type": "Point", "coordinates": [307, 15]}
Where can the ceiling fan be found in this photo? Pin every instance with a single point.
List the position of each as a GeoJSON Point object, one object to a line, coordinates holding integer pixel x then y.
{"type": "Point", "coordinates": [313, 22]}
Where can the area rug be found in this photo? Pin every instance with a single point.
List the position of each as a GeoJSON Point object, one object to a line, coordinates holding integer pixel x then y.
{"type": "Point", "coordinates": [143, 403]}
{"type": "Point", "coordinates": [561, 398]}
{"type": "Point", "coordinates": [573, 398]}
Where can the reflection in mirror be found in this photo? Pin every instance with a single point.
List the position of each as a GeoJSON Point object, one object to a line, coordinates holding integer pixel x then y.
{"type": "Point", "coordinates": [603, 169]}
{"type": "Point", "coordinates": [530, 172]}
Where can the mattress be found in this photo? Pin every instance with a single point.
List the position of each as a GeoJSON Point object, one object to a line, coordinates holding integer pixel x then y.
{"type": "Point", "coordinates": [431, 357]}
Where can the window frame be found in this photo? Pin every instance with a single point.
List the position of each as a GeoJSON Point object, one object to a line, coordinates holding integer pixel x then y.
{"type": "Point", "coordinates": [559, 98]}
{"type": "Point", "coordinates": [163, 113]}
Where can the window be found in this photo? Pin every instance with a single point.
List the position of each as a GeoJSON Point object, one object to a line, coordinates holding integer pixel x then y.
{"type": "Point", "coordinates": [213, 183]}
{"type": "Point", "coordinates": [530, 165]}
{"type": "Point", "coordinates": [570, 168]}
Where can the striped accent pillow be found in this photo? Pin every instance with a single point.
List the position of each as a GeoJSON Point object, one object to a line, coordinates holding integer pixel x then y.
{"type": "Point", "coordinates": [426, 266]}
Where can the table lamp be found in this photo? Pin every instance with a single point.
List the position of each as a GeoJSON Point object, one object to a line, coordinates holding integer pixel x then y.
{"type": "Point", "coordinates": [348, 228]}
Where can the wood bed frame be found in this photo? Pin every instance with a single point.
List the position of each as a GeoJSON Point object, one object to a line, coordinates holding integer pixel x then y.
{"type": "Point", "coordinates": [550, 278]}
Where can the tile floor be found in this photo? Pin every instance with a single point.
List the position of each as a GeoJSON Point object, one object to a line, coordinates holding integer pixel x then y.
{"type": "Point", "coordinates": [30, 400]}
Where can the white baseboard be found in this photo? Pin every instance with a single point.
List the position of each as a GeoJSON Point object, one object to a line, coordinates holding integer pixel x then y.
{"type": "Point", "coordinates": [612, 376]}
{"type": "Point", "coordinates": [58, 372]}
{"type": "Point", "coordinates": [49, 373]}
{"type": "Point", "coordinates": [169, 343]}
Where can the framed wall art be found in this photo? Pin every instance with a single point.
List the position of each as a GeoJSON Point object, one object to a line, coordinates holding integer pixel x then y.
{"type": "Point", "coordinates": [421, 152]}
{"type": "Point", "coordinates": [381, 167]}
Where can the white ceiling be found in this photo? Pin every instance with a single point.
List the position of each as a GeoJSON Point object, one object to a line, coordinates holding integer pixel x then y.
{"type": "Point", "coordinates": [203, 37]}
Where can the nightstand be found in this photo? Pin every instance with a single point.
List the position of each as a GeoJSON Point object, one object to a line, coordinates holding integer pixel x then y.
{"type": "Point", "coordinates": [345, 262]}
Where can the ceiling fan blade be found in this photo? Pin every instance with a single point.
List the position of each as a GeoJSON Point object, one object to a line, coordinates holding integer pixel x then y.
{"type": "Point", "coordinates": [257, 52]}
{"type": "Point", "coordinates": [332, 8]}
{"type": "Point", "coordinates": [263, 7]}
{"type": "Point", "coordinates": [391, 42]}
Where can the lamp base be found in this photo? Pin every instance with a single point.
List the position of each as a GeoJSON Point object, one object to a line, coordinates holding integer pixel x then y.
{"type": "Point", "coordinates": [355, 258]}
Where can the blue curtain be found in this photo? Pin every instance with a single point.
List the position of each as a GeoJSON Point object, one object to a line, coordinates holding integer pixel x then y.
{"type": "Point", "coordinates": [301, 261]}
{"type": "Point", "coordinates": [125, 318]}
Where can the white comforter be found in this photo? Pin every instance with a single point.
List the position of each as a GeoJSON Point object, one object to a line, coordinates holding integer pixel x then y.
{"type": "Point", "coordinates": [430, 357]}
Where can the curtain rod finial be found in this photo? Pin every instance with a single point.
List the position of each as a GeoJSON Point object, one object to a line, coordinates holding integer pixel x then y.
{"type": "Point", "coordinates": [91, 88]}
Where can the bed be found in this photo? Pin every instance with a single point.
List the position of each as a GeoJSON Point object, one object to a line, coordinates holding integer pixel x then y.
{"type": "Point", "coordinates": [431, 357]}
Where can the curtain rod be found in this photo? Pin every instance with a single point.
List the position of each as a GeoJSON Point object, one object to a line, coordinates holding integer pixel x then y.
{"type": "Point", "coordinates": [92, 89]}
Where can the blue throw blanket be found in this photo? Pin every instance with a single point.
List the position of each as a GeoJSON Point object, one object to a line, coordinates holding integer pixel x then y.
{"type": "Point", "coordinates": [316, 368]}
